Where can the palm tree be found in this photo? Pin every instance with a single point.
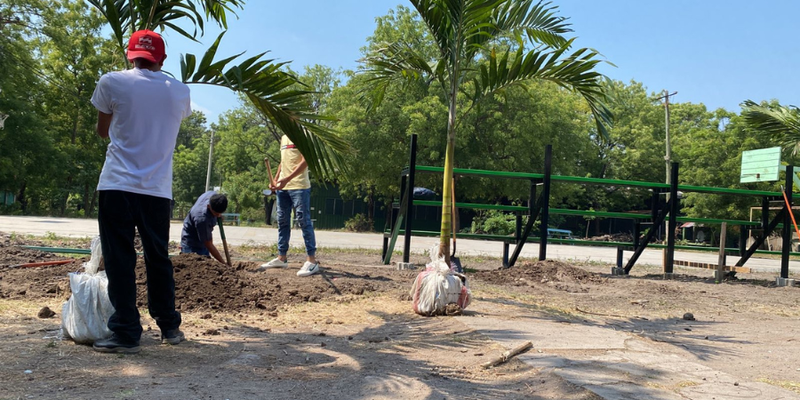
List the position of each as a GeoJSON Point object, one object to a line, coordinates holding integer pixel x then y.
{"type": "Point", "coordinates": [272, 90]}
{"type": "Point", "coordinates": [781, 122]}
{"type": "Point", "coordinates": [475, 59]}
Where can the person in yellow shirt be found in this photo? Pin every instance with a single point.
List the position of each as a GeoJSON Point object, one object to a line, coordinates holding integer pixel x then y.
{"type": "Point", "coordinates": [293, 190]}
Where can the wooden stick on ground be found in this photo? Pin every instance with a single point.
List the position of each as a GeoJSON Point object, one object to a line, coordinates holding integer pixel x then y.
{"type": "Point", "coordinates": [507, 355]}
{"type": "Point", "coordinates": [40, 264]}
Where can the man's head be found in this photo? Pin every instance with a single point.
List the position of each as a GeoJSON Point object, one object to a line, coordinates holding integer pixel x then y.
{"type": "Point", "coordinates": [147, 46]}
{"type": "Point", "coordinates": [218, 203]}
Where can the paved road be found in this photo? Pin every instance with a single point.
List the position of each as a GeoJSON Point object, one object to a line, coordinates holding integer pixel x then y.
{"type": "Point", "coordinates": [237, 235]}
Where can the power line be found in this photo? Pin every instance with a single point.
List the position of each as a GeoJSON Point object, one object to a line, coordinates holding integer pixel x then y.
{"type": "Point", "coordinates": [42, 75]}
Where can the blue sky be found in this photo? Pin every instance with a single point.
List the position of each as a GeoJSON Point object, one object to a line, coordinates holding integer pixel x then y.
{"type": "Point", "coordinates": [715, 52]}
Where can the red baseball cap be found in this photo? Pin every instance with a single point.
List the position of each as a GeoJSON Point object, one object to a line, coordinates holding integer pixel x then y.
{"type": "Point", "coordinates": [146, 44]}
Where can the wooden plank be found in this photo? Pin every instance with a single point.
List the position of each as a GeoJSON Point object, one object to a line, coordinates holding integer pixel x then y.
{"type": "Point", "coordinates": [744, 270]}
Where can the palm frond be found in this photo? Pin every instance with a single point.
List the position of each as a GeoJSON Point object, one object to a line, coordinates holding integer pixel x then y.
{"type": "Point", "coordinates": [125, 15]}
{"type": "Point", "coordinates": [157, 14]}
{"type": "Point", "coordinates": [780, 122]}
{"type": "Point", "coordinates": [478, 25]}
{"type": "Point", "coordinates": [117, 13]}
{"type": "Point", "coordinates": [436, 18]}
{"type": "Point", "coordinates": [396, 62]}
{"type": "Point", "coordinates": [538, 21]}
{"type": "Point", "coordinates": [218, 10]}
{"type": "Point", "coordinates": [574, 72]}
{"type": "Point", "coordinates": [273, 93]}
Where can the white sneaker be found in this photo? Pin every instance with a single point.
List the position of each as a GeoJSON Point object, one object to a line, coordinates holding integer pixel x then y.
{"type": "Point", "coordinates": [276, 263]}
{"type": "Point", "coordinates": [308, 269]}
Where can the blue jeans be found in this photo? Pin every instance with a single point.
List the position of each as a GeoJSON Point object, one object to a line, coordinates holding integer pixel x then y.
{"type": "Point", "coordinates": [201, 251]}
{"type": "Point", "coordinates": [300, 200]}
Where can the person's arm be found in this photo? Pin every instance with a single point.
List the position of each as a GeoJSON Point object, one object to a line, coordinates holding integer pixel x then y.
{"type": "Point", "coordinates": [275, 178]}
{"type": "Point", "coordinates": [214, 252]}
{"type": "Point", "coordinates": [297, 171]}
{"type": "Point", "coordinates": [103, 123]}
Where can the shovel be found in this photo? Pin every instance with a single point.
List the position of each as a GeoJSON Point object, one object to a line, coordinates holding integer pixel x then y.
{"type": "Point", "coordinates": [269, 173]}
{"type": "Point", "coordinates": [224, 242]}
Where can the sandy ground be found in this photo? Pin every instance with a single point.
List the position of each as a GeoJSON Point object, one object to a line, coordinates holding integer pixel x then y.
{"type": "Point", "coordinates": [350, 333]}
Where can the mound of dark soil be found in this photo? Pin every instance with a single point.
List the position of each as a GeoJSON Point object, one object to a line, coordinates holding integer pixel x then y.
{"type": "Point", "coordinates": [205, 284]}
{"type": "Point", "coordinates": [11, 253]}
{"type": "Point", "coordinates": [553, 273]}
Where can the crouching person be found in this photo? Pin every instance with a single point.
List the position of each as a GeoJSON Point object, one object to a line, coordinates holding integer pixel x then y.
{"type": "Point", "coordinates": [199, 224]}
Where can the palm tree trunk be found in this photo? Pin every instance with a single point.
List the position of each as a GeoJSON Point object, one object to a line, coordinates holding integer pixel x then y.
{"type": "Point", "coordinates": [447, 185]}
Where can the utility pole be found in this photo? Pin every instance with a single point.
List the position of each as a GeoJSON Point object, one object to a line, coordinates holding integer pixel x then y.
{"type": "Point", "coordinates": [668, 155]}
{"type": "Point", "coordinates": [210, 153]}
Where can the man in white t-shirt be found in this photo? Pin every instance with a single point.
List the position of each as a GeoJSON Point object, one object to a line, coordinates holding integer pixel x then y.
{"type": "Point", "coordinates": [140, 110]}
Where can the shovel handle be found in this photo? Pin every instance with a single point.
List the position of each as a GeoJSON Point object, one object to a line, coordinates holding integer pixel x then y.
{"type": "Point", "coordinates": [269, 172]}
{"type": "Point", "coordinates": [224, 242]}
{"type": "Point", "coordinates": [789, 208]}
{"type": "Point", "coordinates": [453, 221]}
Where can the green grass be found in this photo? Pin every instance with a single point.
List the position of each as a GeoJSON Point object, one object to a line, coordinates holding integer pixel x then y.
{"type": "Point", "coordinates": [788, 385]}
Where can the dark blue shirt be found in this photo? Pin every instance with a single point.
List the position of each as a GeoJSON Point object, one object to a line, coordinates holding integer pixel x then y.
{"type": "Point", "coordinates": [199, 224]}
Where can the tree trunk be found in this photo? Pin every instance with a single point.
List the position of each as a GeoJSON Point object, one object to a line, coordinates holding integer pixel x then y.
{"type": "Point", "coordinates": [447, 184]}
{"type": "Point", "coordinates": [93, 202]}
{"type": "Point", "coordinates": [65, 199]}
{"type": "Point", "coordinates": [23, 201]}
{"type": "Point", "coordinates": [88, 204]}
{"type": "Point", "coordinates": [370, 207]}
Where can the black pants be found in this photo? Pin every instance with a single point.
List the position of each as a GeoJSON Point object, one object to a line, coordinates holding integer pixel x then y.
{"type": "Point", "coordinates": [118, 214]}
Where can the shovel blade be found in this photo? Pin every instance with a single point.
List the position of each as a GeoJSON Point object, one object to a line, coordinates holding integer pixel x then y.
{"type": "Point", "coordinates": [455, 265]}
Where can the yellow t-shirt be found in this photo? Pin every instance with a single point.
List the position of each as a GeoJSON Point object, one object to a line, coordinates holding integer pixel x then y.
{"type": "Point", "coordinates": [290, 159]}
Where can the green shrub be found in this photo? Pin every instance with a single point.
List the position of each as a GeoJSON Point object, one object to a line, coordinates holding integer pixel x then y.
{"type": "Point", "coordinates": [254, 216]}
{"type": "Point", "coordinates": [359, 223]}
{"type": "Point", "coordinates": [494, 222]}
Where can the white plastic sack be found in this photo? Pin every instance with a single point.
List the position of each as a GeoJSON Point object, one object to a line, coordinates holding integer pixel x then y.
{"type": "Point", "coordinates": [437, 286]}
{"type": "Point", "coordinates": [84, 317]}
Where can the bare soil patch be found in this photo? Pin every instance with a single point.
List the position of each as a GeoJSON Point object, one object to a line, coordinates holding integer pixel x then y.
{"type": "Point", "coordinates": [552, 273]}
{"type": "Point", "coordinates": [350, 332]}
{"type": "Point", "coordinates": [345, 333]}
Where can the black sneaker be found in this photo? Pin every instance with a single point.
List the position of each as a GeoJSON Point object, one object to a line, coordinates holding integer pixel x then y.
{"type": "Point", "coordinates": [116, 345]}
{"type": "Point", "coordinates": [172, 336]}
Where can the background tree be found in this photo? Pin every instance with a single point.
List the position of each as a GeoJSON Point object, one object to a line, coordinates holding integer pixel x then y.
{"type": "Point", "coordinates": [73, 51]}
{"type": "Point", "coordinates": [190, 161]}
{"type": "Point", "coordinates": [28, 160]}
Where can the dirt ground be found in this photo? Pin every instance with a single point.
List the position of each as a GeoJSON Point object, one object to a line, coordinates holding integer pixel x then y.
{"type": "Point", "coordinates": [350, 333]}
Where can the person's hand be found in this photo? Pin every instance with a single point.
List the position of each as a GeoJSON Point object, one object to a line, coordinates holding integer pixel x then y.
{"type": "Point", "coordinates": [280, 183]}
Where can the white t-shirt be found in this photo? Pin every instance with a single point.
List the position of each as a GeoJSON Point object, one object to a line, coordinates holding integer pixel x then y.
{"type": "Point", "coordinates": [147, 109]}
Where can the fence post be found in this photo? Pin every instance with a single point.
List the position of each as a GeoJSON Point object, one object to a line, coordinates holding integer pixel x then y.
{"type": "Point", "coordinates": [672, 225]}
{"type": "Point", "coordinates": [548, 169]}
{"type": "Point", "coordinates": [720, 273]}
{"type": "Point", "coordinates": [787, 223]}
{"type": "Point", "coordinates": [412, 168]}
